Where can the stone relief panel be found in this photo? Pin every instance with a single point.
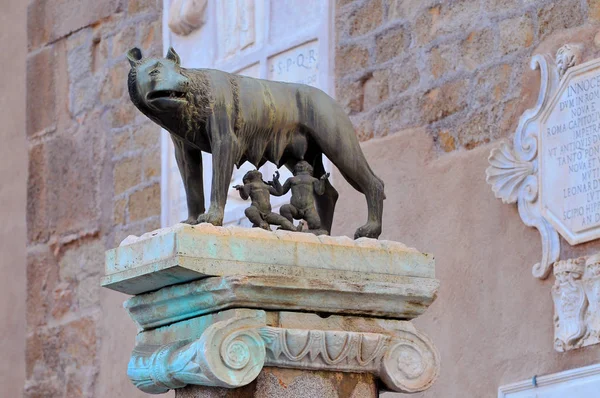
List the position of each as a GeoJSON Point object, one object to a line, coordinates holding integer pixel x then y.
{"type": "Point", "coordinates": [552, 168]}
{"type": "Point", "coordinates": [296, 65]}
{"type": "Point", "coordinates": [236, 26]}
{"type": "Point", "coordinates": [576, 295]}
{"type": "Point", "coordinates": [186, 16]}
{"type": "Point", "coordinates": [569, 304]}
{"type": "Point", "coordinates": [284, 17]}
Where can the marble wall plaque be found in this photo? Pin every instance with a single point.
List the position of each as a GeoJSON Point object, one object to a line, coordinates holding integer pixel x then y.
{"type": "Point", "coordinates": [297, 65]}
{"type": "Point", "coordinates": [552, 168]}
{"type": "Point", "coordinates": [570, 156]}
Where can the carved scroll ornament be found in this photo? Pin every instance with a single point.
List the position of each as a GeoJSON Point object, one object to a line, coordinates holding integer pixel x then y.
{"type": "Point", "coordinates": [232, 353]}
{"type": "Point", "coordinates": [514, 171]}
{"type": "Point", "coordinates": [237, 357]}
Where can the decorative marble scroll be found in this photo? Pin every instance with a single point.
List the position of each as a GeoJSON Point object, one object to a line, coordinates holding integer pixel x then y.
{"type": "Point", "coordinates": [228, 354]}
{"type": "Point", "coordinates": [232, 353]}
{"type": "Point", "coordinates": [576, 295]}
{"type": "Point", "coordinates": [535, 171]}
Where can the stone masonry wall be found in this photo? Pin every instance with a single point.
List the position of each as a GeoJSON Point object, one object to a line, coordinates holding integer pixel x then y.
{"type": "Point", "coordinates": [454, 66]}
{"type": "Point", "coordinates": [94, 172]}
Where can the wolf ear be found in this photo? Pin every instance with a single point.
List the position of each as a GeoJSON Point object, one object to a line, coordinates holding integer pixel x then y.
{"type": "Point", "coordinates": [173, 56]}
{"type": "Point", "coordinates": [134, 56]}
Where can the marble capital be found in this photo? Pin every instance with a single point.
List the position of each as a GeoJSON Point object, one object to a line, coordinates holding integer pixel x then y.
{"type": "Point", "coordinates": [230, 349]}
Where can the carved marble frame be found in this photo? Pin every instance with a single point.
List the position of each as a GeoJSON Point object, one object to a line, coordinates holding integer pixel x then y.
{"type": "Point", "coordinates": [514, 171]}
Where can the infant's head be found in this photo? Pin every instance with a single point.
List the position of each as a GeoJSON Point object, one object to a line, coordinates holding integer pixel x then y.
{"type": "Point", "coordinates": [252, 175]}
{"type": "Point", "coordinates": [303, 167]}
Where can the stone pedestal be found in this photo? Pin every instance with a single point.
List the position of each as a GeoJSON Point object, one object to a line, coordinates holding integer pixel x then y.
{"type": "Point", "coordinates": [274, 314]}
{"type": "Point", "coordinates": [292, 383]}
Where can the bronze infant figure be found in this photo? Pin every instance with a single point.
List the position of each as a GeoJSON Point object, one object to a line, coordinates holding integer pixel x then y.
{"type": "Point", "coordinates": [240, 119]}
{"type": "Point", "coordinates": [260, 213]}
{"type": "Point", "coordinates": [305, 189]}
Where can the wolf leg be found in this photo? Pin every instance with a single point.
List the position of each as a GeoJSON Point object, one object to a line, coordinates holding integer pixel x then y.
{"type": "Point", "coordinates": [358, 173]}
{"type": "Point", "coordinates": [325, 203]}
{"type": "Point", "coordinates": [189, 162]}
{"type": "Point", "coordinates": [223, 153]}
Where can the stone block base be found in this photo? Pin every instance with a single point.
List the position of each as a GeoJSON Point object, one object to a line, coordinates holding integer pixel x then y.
{"type": "Point", "coordinates": [293, 383]}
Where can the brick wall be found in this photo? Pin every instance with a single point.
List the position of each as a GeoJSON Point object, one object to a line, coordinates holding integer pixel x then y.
{"type": "Point", "coordinates": [455, 67]}
{"type": "Point", "coordinates": [94, 171]}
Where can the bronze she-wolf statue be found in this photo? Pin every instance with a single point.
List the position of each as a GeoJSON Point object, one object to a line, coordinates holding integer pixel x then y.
{"type": "Point", "coordinates": [238, 119]}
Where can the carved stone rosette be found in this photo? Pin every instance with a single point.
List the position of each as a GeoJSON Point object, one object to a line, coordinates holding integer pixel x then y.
{"type": "Point", "coordinates": [232, 353]}
{"type": "Point", "coordinates": [576, 295]}
{"type": "Point", "coordinates": [514, 171]}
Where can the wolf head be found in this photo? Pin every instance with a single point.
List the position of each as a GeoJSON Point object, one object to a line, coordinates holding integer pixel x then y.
{"type": "Point", "coordinates": [175, 98]}
{"type": "Point", "coordinates": [157, 84]}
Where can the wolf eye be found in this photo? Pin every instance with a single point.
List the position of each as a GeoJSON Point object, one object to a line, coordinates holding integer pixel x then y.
{"type": "Point", "coordinates": [154, 72]}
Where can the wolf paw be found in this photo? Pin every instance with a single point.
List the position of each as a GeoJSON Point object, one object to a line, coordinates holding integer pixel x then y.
{"type": "Point", "coordinates": [212, 217]}
{"type": "Point", "coordinates": [190, 221]}
{"type": "Point", "coordinates": [369, 230]}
